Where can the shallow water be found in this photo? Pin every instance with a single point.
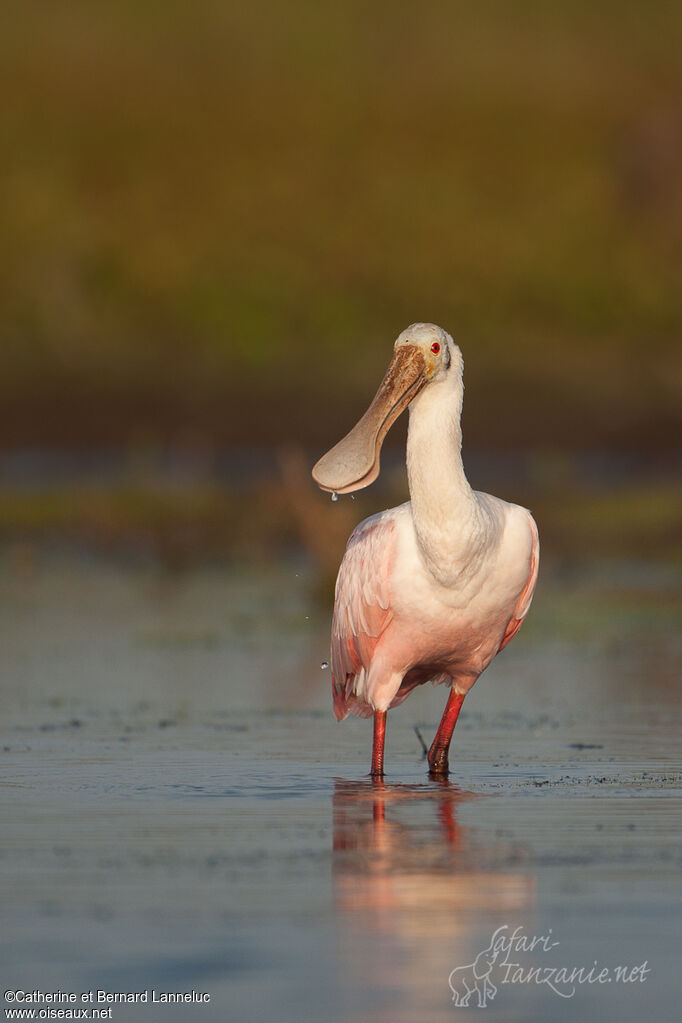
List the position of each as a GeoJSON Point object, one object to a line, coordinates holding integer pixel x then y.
{"type": "Point", "coordinates": [181, 812]}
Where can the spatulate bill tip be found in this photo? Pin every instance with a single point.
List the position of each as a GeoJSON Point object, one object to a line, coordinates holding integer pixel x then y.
{"type": "Point", "coordinates": [354, 462]}
{"type": "Point", "coordinates": [344, 485]}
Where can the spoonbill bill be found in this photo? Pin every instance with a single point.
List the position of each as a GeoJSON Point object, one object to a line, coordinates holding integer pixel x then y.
{"type": "Point", "coordinates": [433, 589]}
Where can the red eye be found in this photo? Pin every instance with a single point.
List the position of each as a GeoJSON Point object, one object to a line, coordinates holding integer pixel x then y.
{"type": "Point", "coordinates": [435, 348]}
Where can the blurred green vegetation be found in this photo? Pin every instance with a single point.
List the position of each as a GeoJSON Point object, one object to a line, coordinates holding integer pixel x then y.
{"type": "Point", "coordinates": [217, 216]}
{"type": "Point", "coordinates": [177, 527]}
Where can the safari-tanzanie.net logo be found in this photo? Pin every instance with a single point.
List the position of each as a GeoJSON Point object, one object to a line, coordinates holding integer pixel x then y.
{"type": "Point", "coordinates": [518, 958]}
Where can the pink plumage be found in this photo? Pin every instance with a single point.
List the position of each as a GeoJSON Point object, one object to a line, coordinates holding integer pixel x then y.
{"type": "Point", "coordinates": [432, 590]}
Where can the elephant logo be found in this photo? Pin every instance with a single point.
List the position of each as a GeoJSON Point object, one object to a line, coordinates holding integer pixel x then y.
{"type": "Point", "coordinates": [473, 978]}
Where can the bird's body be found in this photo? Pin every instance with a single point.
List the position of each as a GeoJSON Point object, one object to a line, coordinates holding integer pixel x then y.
{"type": "Point", "coordinates": [395, 626]}
{"type": "Point", "coordinates": [433, 589]}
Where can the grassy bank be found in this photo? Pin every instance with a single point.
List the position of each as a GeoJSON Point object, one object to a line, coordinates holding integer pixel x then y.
{"type": "Point", "coordinates": [180, 525]}
{"type": "Point", "coordinates": [216, 217]}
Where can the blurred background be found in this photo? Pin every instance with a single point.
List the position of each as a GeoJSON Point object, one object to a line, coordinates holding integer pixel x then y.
{"type": "Point", "coordinates": [216, 217]}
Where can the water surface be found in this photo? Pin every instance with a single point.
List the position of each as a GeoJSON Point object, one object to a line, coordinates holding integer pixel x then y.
{"type": "Point", "coordinates": [180, 811]}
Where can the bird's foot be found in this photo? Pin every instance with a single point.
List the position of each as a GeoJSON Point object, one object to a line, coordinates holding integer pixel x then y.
{"type": "Point", "coordinates": [438, 764]}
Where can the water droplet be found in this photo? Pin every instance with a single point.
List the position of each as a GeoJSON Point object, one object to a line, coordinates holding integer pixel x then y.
{"type": "Point", "coordinates": [324, 665]}
{"type": "Point", "coordinates": [335, 496]}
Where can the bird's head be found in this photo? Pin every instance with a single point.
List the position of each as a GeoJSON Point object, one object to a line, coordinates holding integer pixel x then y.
{"type": "Point", "coordinates": [423, 356]}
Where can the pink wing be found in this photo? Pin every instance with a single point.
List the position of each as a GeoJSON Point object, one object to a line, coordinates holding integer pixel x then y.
{"type": "Point", "coordinates": [526, 596]}
{"type": "Point", "coordinates": [362, 608]}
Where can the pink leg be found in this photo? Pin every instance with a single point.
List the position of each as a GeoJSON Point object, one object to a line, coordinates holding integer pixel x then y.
{"type": "Point", "coordinates": [438, 754]}
{"type": "Point", "coordinates": [378, 744]}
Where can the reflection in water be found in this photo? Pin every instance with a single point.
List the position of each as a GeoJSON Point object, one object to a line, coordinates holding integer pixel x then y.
{"type": "Point", "coordinates": [416, 893]}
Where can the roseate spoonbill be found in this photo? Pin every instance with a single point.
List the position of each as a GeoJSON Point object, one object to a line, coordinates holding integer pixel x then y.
{"type": "Point", "coordinates": [433, 589]}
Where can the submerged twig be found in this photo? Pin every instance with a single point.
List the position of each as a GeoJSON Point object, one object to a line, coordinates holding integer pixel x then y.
{"type": "Point", "coordinates": [425, 749]}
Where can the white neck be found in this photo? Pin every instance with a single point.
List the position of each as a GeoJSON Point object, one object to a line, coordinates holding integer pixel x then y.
{"type": "Point", "coordinates": [448, 519]}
